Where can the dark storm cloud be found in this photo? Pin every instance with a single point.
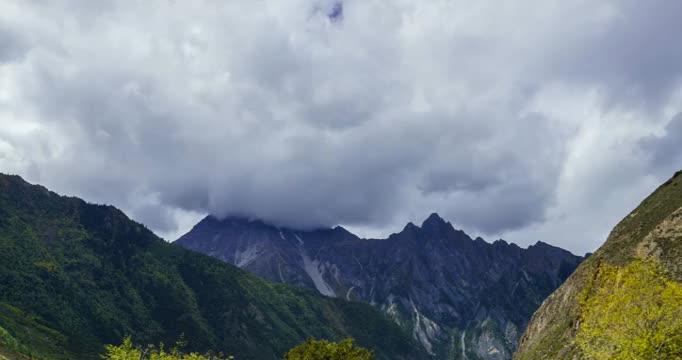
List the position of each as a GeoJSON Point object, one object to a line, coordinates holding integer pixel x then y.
{"type": "Point", "coordinates": [507, 120]}
{"type": "Point", "coordinates": [634, 58]}
{"type": "Point", "coordinates": [12, 44]}
{"type": "Point", "coordinates": [665, 149]}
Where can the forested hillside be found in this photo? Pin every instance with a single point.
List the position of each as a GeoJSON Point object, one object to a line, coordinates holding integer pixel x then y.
{"type": "Point", "coordinates": [75, 276]}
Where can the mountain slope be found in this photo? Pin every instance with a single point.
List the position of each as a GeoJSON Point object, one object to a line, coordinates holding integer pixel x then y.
{"type": "Point", "coordinates": [75, 276]}
{"type": "Point", "coordinates": [461, 298]}
{"type": "Point", "coordinates": [652, 230]}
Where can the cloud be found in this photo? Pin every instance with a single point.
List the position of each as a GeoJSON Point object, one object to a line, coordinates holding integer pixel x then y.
{"type": "Point", "coordinates": [509, 120]}
{"type": "Point", "coordinates": [664, 149]}
{"type": "Point", "coordinates": [11, 45]}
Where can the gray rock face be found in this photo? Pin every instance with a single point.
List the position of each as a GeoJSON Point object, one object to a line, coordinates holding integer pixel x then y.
{"type": "Point", "coordinates": [461, 298]}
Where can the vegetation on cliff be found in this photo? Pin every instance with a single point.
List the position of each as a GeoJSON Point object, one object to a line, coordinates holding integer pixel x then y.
{"type": "Point", "coordinates": [564, 326]}
{"type": "Point", "coordinates": [633, 312]}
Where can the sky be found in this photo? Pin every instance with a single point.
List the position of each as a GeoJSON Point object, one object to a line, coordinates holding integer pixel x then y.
{"type": "Point", "coordinates": [528, 120]}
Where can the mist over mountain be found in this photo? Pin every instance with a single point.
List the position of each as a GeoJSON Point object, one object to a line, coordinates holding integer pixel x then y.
{"type": "Point", "coordinates": [458, 296]}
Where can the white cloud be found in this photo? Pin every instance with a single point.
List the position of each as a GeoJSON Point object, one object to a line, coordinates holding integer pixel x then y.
{"type": "Point", "coordinates": [521, 120]}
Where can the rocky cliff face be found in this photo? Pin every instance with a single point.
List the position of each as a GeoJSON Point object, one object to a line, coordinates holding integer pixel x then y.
{"type": "Point", "coordinates": [652, 230]}
{"type": "Point", "coordinates": [461, 298]}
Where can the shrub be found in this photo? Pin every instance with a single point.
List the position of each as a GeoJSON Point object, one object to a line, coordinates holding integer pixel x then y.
{"type": "Point", "coordinates": [325, 350]}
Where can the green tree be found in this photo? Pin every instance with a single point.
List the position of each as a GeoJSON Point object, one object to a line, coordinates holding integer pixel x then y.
{"type": "Point", "coordinates": [7, 340]}
{"type": "Point", "coordinates": [631, 313]}
{"type": "Point", "coordinates": [128, 351]}
{"type": "Point", "coordinates": [326, 350]}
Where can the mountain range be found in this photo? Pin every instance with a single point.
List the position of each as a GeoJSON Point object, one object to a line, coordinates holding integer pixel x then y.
{"type": "Point", "coordinates": [461, 298]}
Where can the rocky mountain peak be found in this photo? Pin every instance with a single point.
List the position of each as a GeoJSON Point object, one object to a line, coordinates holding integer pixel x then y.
{"type": "Point", "coordinates": [411, 227]}
{"type": "Point", "coordinates": [544, 249]}
{"type": "Point", "coordinates": [433, 220]}
{"type": "Point", "coordinates": [434, 225]}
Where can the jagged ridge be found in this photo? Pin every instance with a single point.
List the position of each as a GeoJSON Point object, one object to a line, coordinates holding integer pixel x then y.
{"type": "Point", "coordinates": [458, 296]}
